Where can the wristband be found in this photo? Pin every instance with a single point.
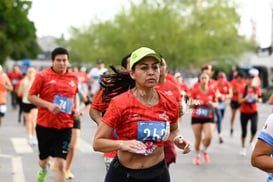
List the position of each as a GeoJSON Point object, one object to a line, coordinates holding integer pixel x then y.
{"type": "Point", "coordinates": [89, 101]}
{"type": "Point", "coordinates": [176, 137]}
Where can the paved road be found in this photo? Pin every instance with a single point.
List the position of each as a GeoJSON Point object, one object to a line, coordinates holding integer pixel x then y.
{"type": "Point", "coordinates": [18, 161]}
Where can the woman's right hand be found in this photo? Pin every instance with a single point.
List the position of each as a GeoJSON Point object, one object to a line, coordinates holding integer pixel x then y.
{"type": "Point", "coordinates": [131, 145]}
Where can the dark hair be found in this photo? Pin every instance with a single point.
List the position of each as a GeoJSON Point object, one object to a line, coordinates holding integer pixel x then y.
{"type": "Point", "coordinates": [115, 83]}
{"type": "Point", "coordinates": [57, 51]}
{"type": "Point", "coordinates": [240, 74]}
{"type": "Point", "coordinates": [124, 60]}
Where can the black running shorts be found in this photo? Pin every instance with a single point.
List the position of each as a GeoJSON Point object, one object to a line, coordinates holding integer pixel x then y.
{"type": "Point", "coordinates": [53, 142]}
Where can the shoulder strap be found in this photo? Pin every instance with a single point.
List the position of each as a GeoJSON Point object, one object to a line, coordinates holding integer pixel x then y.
{"type": "Point", "coordinates": [254, 89]}
{"type": "Point", "coordinates": [245, 91]}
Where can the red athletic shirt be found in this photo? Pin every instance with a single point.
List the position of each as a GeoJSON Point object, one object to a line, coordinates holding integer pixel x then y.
{"type": "Point", "coordinates": [47, 84]}
{"type": "Point", "coordinates": [170, 89]}
{"type": "Point", "coordinates": [184, 88]}
{"type": "Point", "coordinates": [250, 108]}
{"type": "Point", "coordinates": [15, 77]}
{"type": "Point", "coordinates": [131, 116]}
{"type": "Point", "coordinates": [202, 111]}
{"type": "Point", "coordinates": [171, 78]}
{"type": "Point", "coordinates": [223, 89]}
{"type": "Point", "coordinates": [102, 106]}
{"type": "Point", "coordinates": [98, 104]}
{"type": "Point", "coordinates": [236, 87]}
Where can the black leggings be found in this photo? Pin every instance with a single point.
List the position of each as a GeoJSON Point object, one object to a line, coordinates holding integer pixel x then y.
{"type": "Point", "coordinates": [244, 120]}
{"type": "Point", "coordinates": [118, 173]}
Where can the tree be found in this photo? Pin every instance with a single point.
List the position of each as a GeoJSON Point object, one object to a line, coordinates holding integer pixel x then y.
{"type": "Point", "coordinates": [178, 29]}
{"type": "Point", "coordinates": [17, 32]}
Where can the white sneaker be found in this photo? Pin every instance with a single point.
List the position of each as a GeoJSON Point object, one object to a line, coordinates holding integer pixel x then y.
{"type": "Point", "coordinates": [29, 140]}
{"type": "Point", "coordinates": [34, 141]}
{"type": "Point", "coordinates": [243, 151]}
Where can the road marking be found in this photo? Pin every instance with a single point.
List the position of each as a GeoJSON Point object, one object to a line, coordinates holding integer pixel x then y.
{"type": "Point", "coordinates": [17, 167]}
{"type": "Point", "coordinates": [84, 146]}
{"type": "Point", "coordinates": [21, 146]}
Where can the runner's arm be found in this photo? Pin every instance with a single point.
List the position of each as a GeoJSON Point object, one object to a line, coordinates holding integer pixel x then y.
{"type": "Point", "coordinates": [177, 139]}
{"type": "Point", "coordinates": [261, 156]}
{"type": "Point", "coordinates": [8, 84]}
{"type": "Point", "coordinates": [95, 115]}
{"type": "Point", "coordinates": [36, 100]}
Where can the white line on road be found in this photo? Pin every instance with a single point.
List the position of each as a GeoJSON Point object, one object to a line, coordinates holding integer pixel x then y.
{"type": "Point", "coordinates": [21, 146]}
{"type": "Point", "coordinates": [17, 167]}
{"type": "Point", "coordinates": [18, 170]}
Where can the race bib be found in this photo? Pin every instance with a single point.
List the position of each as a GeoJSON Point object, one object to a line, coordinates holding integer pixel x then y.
{"type": "Point", "coordinates": [153, 131]}
{"type": "Point", "coordinates": [252, 99]}
{"type": "Point", "coordinates": [3, 108]}
{"type": "Point", "coordinates": [65, 103]}
{"type": "Point", "coordinates": [203, 112]}
{"type": "Point", "coordinates": [14, 81]}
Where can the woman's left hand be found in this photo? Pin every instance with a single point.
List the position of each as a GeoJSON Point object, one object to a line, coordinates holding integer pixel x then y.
{"type": "Point", "coordinates": [183, 144]}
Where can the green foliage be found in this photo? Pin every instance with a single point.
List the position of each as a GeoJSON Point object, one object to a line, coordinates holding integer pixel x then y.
{"type": "Point", "coordinates": [182, 32]}
{"type": "Point", "coordinates": [17, 32]}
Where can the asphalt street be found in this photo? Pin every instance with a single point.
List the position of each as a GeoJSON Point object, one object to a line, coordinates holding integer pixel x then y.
{"type": "Point", "coordinates": [19, 161]}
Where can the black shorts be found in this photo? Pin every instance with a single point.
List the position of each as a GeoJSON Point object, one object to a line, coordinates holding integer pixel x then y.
{"type": "Point", "coordinates": [234, 104]}
{"type": "Point", "coordinates": [77, 124]}
{"type": "Point", "coordinates": [201, 121]}
{"type": "Point", "coordinates": [119, 173]}
{"type": "Point", "coordinates": [53, 142]}
{"type": "Point", "coordinates": [28, 107]}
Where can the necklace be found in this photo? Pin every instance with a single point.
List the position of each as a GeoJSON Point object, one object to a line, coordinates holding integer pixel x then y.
{"type": "Point", "coordinates": [150, 102]}
{"type": "Point", "coordinates": [141, 94]}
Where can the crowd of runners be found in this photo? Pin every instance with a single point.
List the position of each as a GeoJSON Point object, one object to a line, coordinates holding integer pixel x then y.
{"type": "Point", "coordinates": [139, 137]}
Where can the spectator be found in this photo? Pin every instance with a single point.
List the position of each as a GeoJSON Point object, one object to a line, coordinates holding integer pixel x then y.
{"type": "Point", "coordinates": [94, 76]}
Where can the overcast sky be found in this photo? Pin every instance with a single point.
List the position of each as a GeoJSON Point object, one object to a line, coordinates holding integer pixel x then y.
{"type": "Point", "coordinates": [54, 17]}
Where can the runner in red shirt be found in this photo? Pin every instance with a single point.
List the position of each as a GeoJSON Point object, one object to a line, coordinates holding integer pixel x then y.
{"type": "Point", "coordinates": [203, 100]}
{"type": "Point", "coordinates": [172, 90]}
{"type": "Point", "coordinates": [145, 119]}
{"type": "Point", "coordinates": [54, 91]}
{"type": "Point", "coordinates": [171, 78]}
{"type": "Point", "coordinates": [236, 85]}
{"type": "Point", "coordinates": [98, 108]}
{"type": "Point", "coordinates": [225, 92]}
{"type": "Point", "coordinates": [212, 83]}
{"type": "Point", "coordinates": [248, 98]}
{"type": "Point", "coordinates": [76, 130]}
{"type": "Point", "coordinates": [184, 87]}
{"type": "Point", "coordinates": [15, 75]}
